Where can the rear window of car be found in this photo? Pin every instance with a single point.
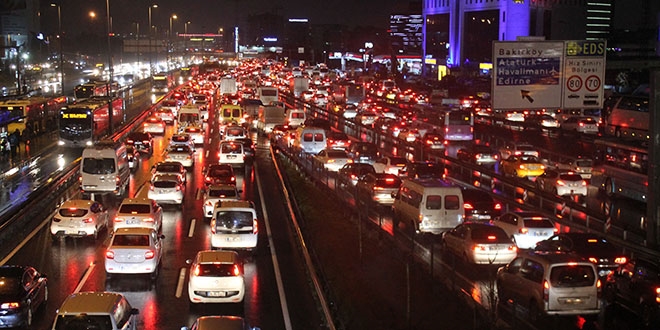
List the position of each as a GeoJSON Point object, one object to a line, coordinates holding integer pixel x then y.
{"type": "Point", "coordinates": [131, 240]}
{"type": "Point", "coordinates": [233, 219]}
{"type": "Point", "coordinates": [215, 269]}
{"type": "Point", "coordinates": [572, 276]}
{"type": "Point", "coordinates": [490, 235]}
{"type": "Point", "coordinates": [83, 321]}
{"type": "Point", "coordinates": [538, 223]}
{"type": "Point", "coordinates": [392, 182]}
{"type": "Point", "coordinates": [222, 193]}
{"type": "Point", "coordinates": [231, 148]}
{"type": "Point", "coordinates": [164, 184]}
{"type": "Point", "coordinates": [73, 212]}
{"type": "Point", "coordinates": [135, 208]}
{"type": "Point", "coordinates": [168, 168]}
{"type": "Point", "coordinates": [584, 163]}
{"type": "Point", "coordinates": [337, 154]}
{"type": "Point", "coordinates": [235, 132]}
{"type": "Point", "coordinates": [570, 177]}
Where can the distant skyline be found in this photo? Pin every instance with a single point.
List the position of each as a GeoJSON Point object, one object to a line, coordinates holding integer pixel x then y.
{"type": "Point", "coordinates": [207, 16]}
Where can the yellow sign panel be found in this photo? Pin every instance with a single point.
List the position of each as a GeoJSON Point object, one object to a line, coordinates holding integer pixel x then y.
{"type": "Point", "coordinates": [74, 115]}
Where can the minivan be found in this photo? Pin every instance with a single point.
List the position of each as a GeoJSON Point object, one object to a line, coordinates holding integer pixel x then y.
{"type": "Point", "coordinates": [428, 205]}
{"type": "Point", "coordinates": [96, 310]}
{"type": "Point", "coordinates": [550, 284]}
{"type": "Point", "coordinates": [104, 169]}
{"type": "Point", "coordinates": [295, 117]}
{"type": "Point", "coordinates": [310, 140]}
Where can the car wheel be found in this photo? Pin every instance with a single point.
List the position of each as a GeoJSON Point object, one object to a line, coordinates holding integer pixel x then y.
{"type": "Point", "coordinates": [609, 187]}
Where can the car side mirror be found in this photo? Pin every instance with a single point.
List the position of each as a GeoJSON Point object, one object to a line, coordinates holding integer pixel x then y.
{"type": "Point", "coordinates": [189, 261]}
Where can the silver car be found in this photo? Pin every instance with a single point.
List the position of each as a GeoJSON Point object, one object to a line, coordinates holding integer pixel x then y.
{"type": "Point", "coordinates": [134, 251]}
{"type": "Point", "coordinates": [167, 189]}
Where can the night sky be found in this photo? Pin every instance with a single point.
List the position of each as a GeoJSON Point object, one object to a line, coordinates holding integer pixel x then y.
{"type": "Point", "coordinates": [209, 15]}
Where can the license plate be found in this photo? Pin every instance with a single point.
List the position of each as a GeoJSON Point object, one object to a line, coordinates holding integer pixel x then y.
{"type": "Point", "coordinates": [216, 294]}
{"type": "Point", "coordinates": [540, 233]}
{"type": "Point", "coordinates": [132, 222]}
{"type": "Point", "coordinates": [233, 238]}
{"type": "Point", "coordinates": [231, 156]}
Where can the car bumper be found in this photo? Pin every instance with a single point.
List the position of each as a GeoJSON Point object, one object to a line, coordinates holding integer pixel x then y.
{"type": "Point", "coordinates": [145, 267]}
{"type": "Point", "coordinates": [234, 241]}
{"type": "Point", "coordinates": [59, 230]}
{"type": "Point", "coordinates": [167, 198]}
{"type": "Point", "coordinates": [498, 257]}
{"type": "Point", "coordinates": [563, 191]}
{"type": "Point", "coordinates": [206, 295]}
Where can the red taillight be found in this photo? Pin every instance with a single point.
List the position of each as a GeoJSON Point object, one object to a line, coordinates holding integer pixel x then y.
{"type": "Point", "coordinates": [255, 226]}
{"type": "Point", "coordinates": [377, 188]}
{"type": "Point", "coordinates": [119, 220]}
{"type": "Point", "coordinates": [620, 260]}
{"type": "Point", "coordinates": [599, 288]}
{"type": "Point", "coordinates": [148, 220]}
{"type": "Point", "coordinates": [109, 254]}
{"type": "Point", "coordinates": [149, 254]}
{"type": "Point", "coordinates": [233, 179]}
{"type": "Point", "coordinates": [88, 220]}
{"type": "Point", "coordinates": [546, 290]}
{"type": "Point", "coordinates": [498, 206]}
{"type": "Point", "coordinates": [523, 230]}
{"type": "Point", "coordinates": [178, 187]}
{"type": "Point", "coordinates": [117, 179]}
{"type": "Point", "coordinates": [657, 295]}
{"type": "Point", "coordinates": [197, 270]}
{"type": "Point", "coordinates": [237, 270]}
{"type": "Point", "coordinates": [10, 305]}
{"type": "Point", "coordinates": [561, 183]}
{"type": "Point", "coordinates": [468, 206]}
{"type": "Point", "coordinates": [584, 183]}
{"type": "Point", "coordinates": [151, 187]}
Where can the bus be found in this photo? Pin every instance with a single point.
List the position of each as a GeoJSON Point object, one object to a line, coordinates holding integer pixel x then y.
{"type": "Point", "coordinates": [187, 73]}
{"type": "Point", "coordinates": [39, 114]}
{"type": "Point", "coordinates": [94, 88]}
{"type": "Point", "coordinates": [621, 168]}
{"type": "Point", "coordinates": [160, 85]}
{"type": "Point", "coordinates": [457, 125]}
{"type": "Point", "coordinates": [81, 124]}
{"type": "Point", "coordinates": [629, 117]}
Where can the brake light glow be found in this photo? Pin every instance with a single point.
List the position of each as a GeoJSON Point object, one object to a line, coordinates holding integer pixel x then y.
{"type": "Point", "coordinates": [88, 220]}
{"type": "Point", "coordinates": [119, 220]}
{"type": "Point", "coordinates": [523, 230]}
{"type": "Point", "coordinates": [561, 183]}
{"type": "Point", "coordinates": [236, 271]}
{"type": "Point", "coordinates": [109, 254]}
{"type": "Point", "coordinates": [657, 295]}
{"type": "Point", "coordinates": [468, 206]}
{"type": "Point", "coordinates": [498, 206]}
{"type": "Point", "coordinates": [546, 290]}
{"type": "Point", "coordinates": [620, 260]}
{"type": "Point", "coordinates": [197, 270]}
{"type": "Point", "coordinates": [255, 226]}
{"type": "Point", "coordinates": [149, 254]}
{"type": "Point", "coordinates": [491, 237]}
{"type": "Point", "coordinates": [148, 220]}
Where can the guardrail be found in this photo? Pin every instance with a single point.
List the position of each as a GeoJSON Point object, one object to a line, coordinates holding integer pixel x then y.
{"type": "Point", "coordinates": [520, 192]}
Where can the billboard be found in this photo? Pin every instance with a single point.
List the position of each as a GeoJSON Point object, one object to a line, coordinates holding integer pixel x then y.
{"type": "Point", "coordinates": [548, 74]}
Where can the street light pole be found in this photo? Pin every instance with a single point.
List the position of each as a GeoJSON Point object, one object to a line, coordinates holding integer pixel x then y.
{"type": "Point", "coordinates": [59, 29]}
{"type": "Point", "coordinates": [111, 110]}
{"type": "Point", "coordinates": [169, 42]}
{"type": "Point", "coordinates": [150, 36]}
{"type": "Point", "coordinates": [185, 36]}
{"type": "Point", "coordinates": [137, 40]}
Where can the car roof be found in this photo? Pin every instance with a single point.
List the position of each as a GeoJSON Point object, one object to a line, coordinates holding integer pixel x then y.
{"type": "Point", "coordinates": [77, 203]}
{"type": "Point", "coordinates": [217, 256]}
{"type": "Point", "coordinates": [167, 177]}
{"type": "Point", "coordinates": [133, 231]}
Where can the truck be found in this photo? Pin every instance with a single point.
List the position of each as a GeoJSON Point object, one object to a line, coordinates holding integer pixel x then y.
{"type": "Point", "coordinates": [354, 94]}
{"type": "Point", "coordinates": [268, 95]}
{"type": "Point", "coordinates": [299, 85]}
{"type": "Point", "coordinates": [269, 116]}
{"type": "Point", "coordinates": [228, 86]}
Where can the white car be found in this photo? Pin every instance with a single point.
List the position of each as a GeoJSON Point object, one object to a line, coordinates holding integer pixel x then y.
{"type": "Point", "coordinates": [218, 192]}
{"type": "Point", "coordinates": [585, 125]}
{"type": "Point", "coordinates": [234, 225]}
{"type": "Point", "coordinates": [333, 159]}
{"type": "Point", "coordinates": [154, 125]}
{"type": "Point", "coordinates": [390, 164]}
{"type": "Point", "coordinates": [562, 183]}
{"type": "Point", "coordinates": [518, 150]}
{"type": "Point", "coordinates": [134, 251]}
{"type": "Point", "coordinates": [196, 133]}
{"type": "Point", "coordinates": [216, 277]}
{"type": "Point", "coordinates": [182, 139]}
{"type": "Point", "coordinates": [167, 189]}
{"type": "Point", "coordinates": [350, 111]}
{"type": "Point", "coordinates": [526, 227]}
{"type": "Point", "coordinates": [138, 212]}
{"type": "Point", "coordinates": [479, 243]}
{"type": "Point", "coordinates": [79, 218]}
{"type": "Point", "coordinates": [169, 168]}
{"type": "Point", "coordinates": [231, 153]}
{"type": "Point", "coordinates": [182, 154]}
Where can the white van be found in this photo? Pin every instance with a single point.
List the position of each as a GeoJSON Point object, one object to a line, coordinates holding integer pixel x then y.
{"type": "Point", "coordinates": [268, 95]}
{"type": "Point", "coordinates": [189, 115]}
{"type": "Point", "coordinates": [295, 117]}
{"type": "Point", "coordinates": [104, 169]}
{"type": "Point", "coordinates": [96, 310]}
{"type": "Point", "coordinates": [310, 140]}
{"type": "Point", "coordinates": [428, 205]}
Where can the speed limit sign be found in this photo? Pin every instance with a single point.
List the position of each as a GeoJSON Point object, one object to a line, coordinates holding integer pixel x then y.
{"type": "Point", "coordinates": [574, 83]}
{"type": "Point", "coordinates": [592, 83]}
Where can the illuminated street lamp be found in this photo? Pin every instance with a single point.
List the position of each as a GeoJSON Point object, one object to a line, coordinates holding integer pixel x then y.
{"type": "Point", "coordinates": [150, 35]}
{"type": "Point", "coordinates": [59, 29]}
{"type": "Point", "coordinates": [169, 43]}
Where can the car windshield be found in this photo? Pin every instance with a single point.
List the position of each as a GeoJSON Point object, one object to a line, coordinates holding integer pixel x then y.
{"type": "Point", "coordinates": [164, 184]}
{"type": "Point", "coordinates": [131, 240]}
{"type": "Point", "coordinates": [572, 276]}
{"type": "Point", "coordinates": [570, 177]}
{"type": "Point", "coordinates": [135, 208]}
{"type": "Point", "coordinates": [73, 212]}
{"type": "Point", "coordinates": [529, 160]}
{"type": "Point", "coordinates": [388, 182]}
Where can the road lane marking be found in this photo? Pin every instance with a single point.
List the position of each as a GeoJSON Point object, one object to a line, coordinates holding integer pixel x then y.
{"type": "Point", "coordinates": [276, 266]}
{"type": "Point", "coordinates": [191, 231]}
{"type": "Point", "coordinates": [179, 285]}
{"type": "Point", "coordinates": [85, 277]}
{"type": "Point", "coordinates": [207, 153]}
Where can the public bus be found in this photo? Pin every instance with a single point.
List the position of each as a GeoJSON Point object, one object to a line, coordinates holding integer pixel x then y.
{"type": "Point", "coordinates": [629, 117]}
{"type": "Point", "coordinates": [621, 168]}
{"type": "Point", "coordinates": [161, 83]}
{"type": "Point", "coordinates": [37, 113]}
{"type": "Point", "coordinates": [457, 125]}
{"type": "Point", "coordinates": [94, 88]}
{"type": "Point", "coordinates": [83, 123]}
